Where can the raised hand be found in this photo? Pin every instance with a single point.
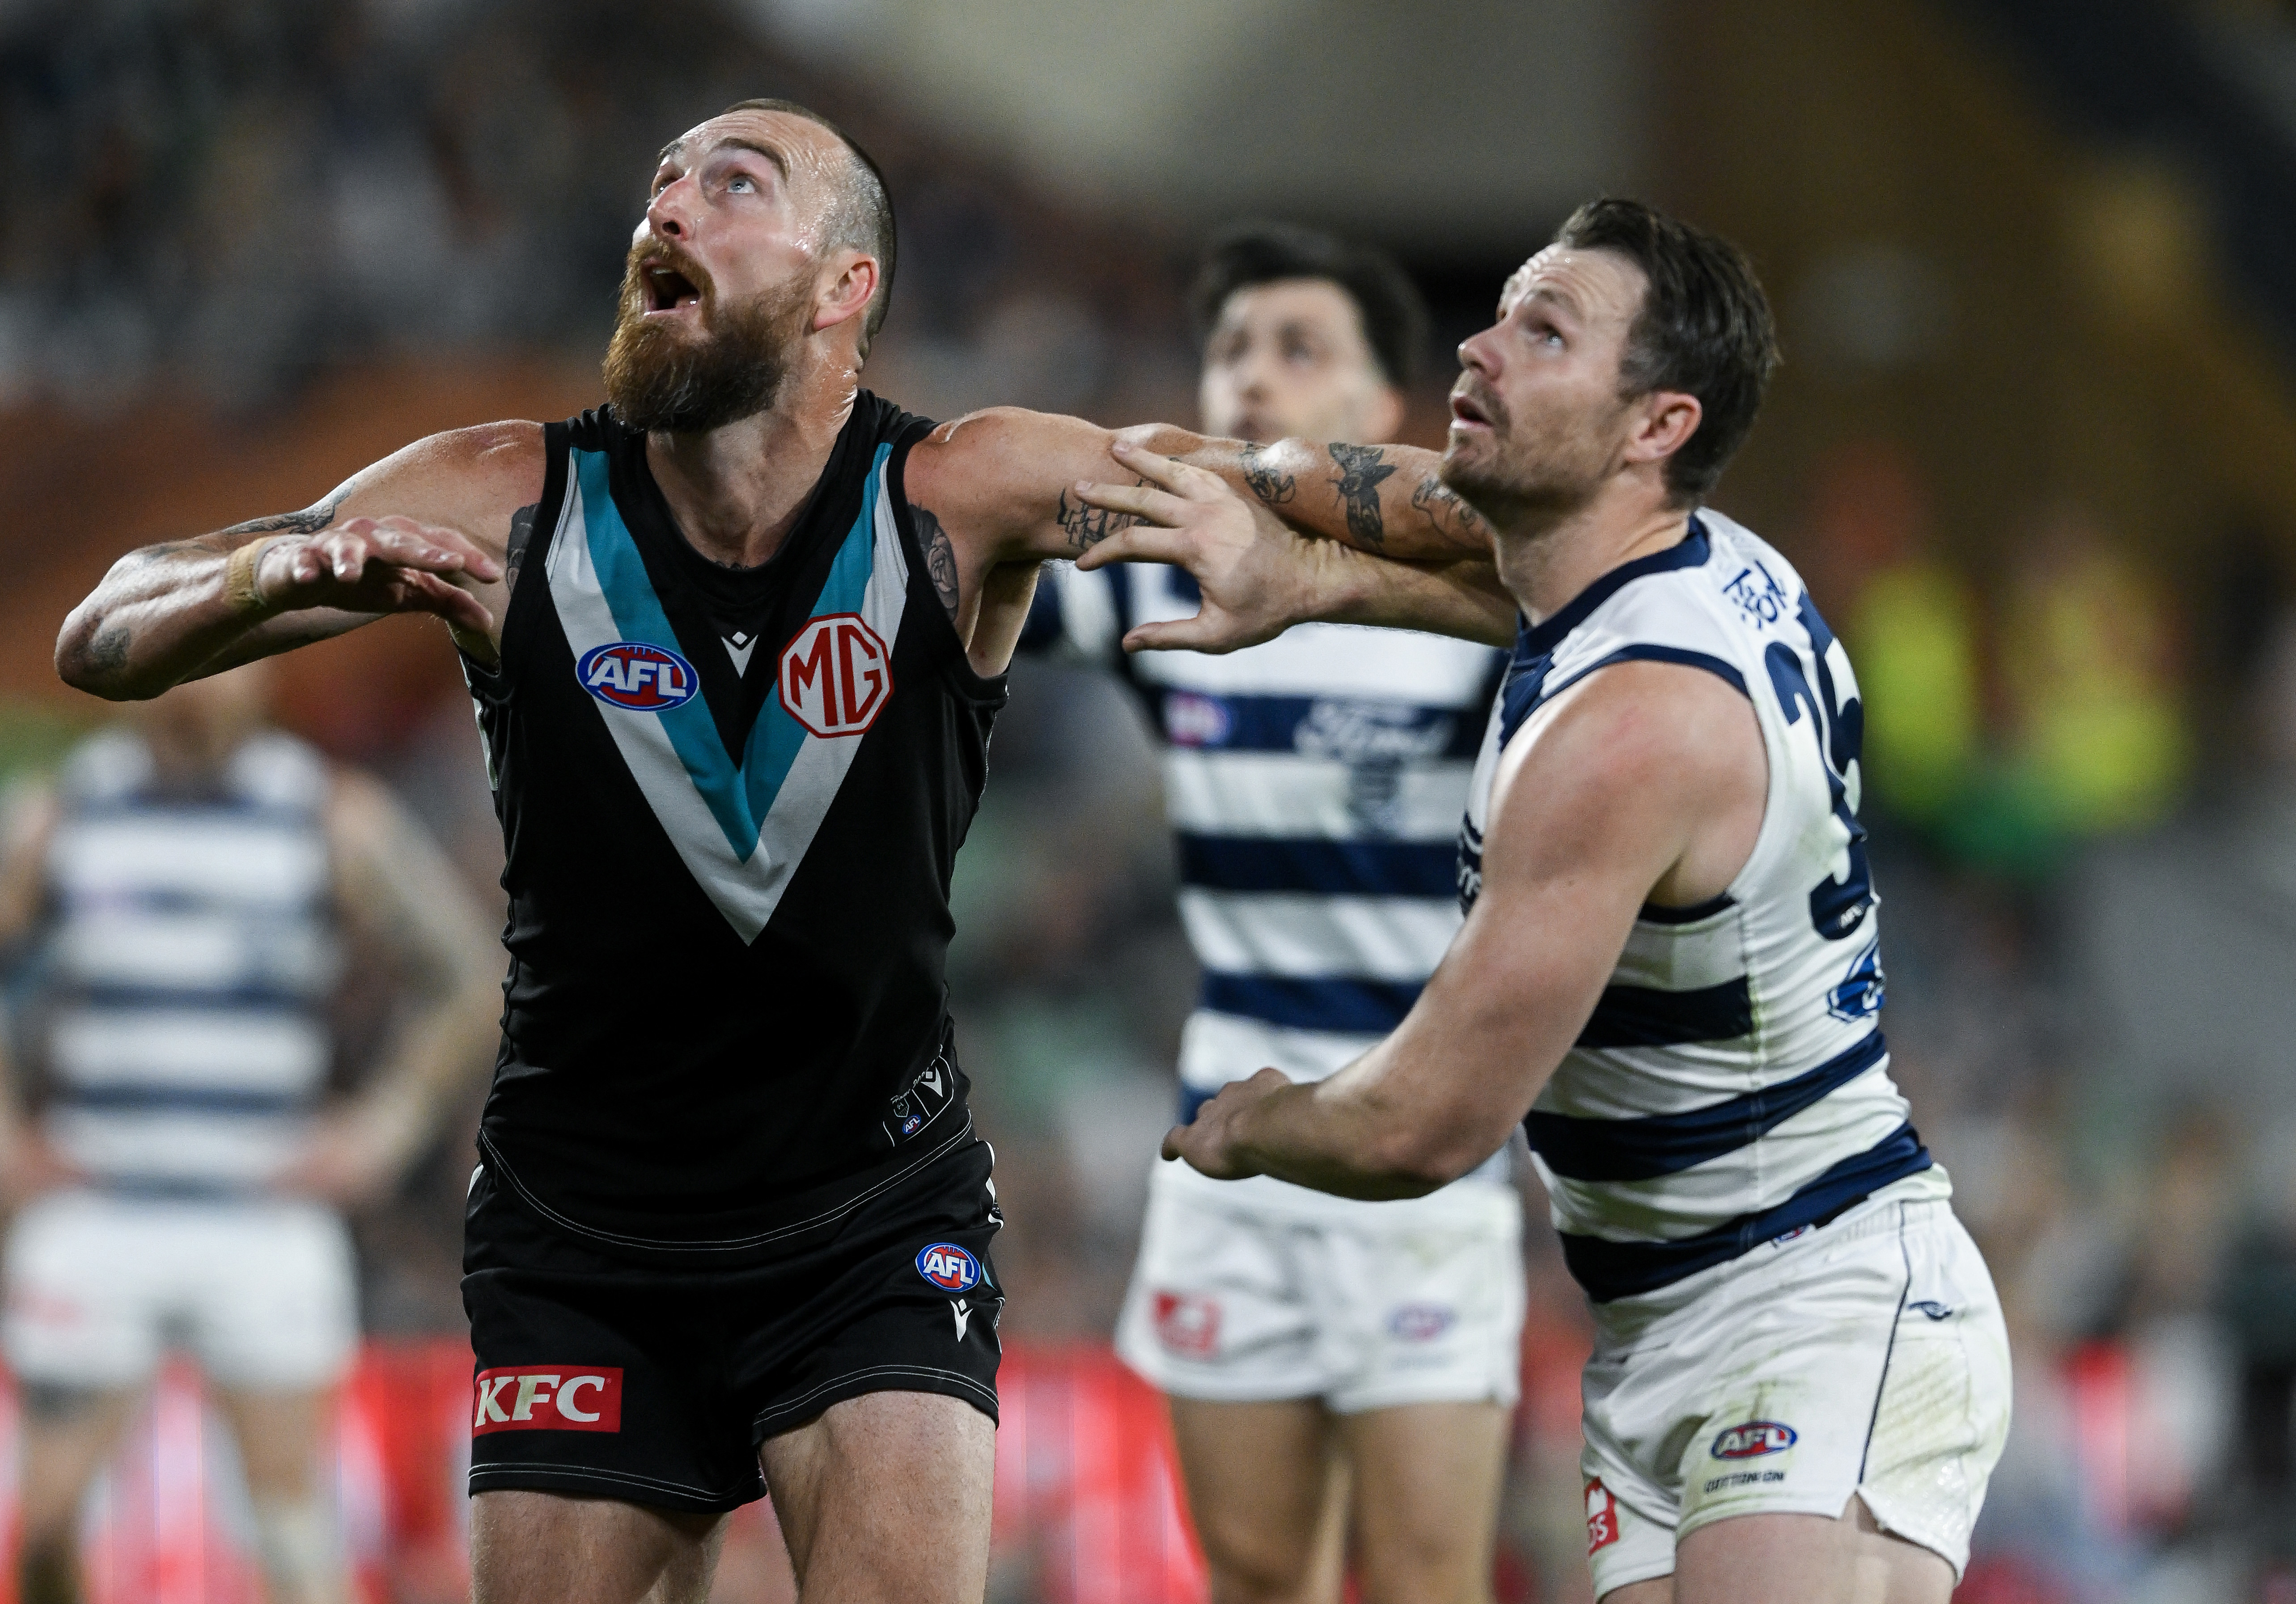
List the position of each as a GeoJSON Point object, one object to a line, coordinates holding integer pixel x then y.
{"type": "Point", "coordinates": [389, 564]}
{"type": "Point", "coordinates": [1257, 576]}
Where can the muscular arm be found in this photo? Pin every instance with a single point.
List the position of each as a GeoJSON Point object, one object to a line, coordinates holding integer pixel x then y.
{"type": "Point", "coordinates": [1644, 782]}
{"type": "Point", "coordinates": [26, 1165]}
{"type": "Point", "coordinates": [425, 530]}
{"type": "Point", "coordinates": [395, 886]}
{"type": "Point", "coordinates": [1000, 488]}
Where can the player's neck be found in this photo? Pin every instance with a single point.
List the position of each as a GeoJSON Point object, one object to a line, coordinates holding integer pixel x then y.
{"type": "Point", "coordinates": [1545, 562]}
{"type": "Point", "coordinates": [736, 491]}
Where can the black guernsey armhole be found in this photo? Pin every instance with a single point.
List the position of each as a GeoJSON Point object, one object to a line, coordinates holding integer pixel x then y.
{"type": "Point", "coordinates": [548, 514]}
{"type": "Point", "coordinates": [955, 663]}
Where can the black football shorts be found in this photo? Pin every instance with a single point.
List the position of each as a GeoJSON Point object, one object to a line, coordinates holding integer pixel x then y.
{"type": "Point", "coordinates": [609, 1378]}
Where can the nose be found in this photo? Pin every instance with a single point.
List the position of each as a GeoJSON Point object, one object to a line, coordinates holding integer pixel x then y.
{"type": "Point", "coordinates": [670, 213]}
{"type": "Point", "coordinates": [1479, 353]}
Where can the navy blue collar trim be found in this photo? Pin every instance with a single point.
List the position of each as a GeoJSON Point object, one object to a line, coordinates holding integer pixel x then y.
{"type": "Point", "coordinates": [1536, 640]}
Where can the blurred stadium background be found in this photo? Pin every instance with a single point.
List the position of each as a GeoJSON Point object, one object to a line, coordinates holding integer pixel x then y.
{"type": "Point", "coordinates": [2034, 448]}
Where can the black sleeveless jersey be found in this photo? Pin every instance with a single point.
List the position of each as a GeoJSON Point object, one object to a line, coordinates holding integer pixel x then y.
{"type": "Point", "coordinates": [729, 801]}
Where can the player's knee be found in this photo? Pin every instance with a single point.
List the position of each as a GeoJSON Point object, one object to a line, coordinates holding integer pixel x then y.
{"type": "Point", "coordinates": [1420, 1567]}
{"type": "Point", "coordinates": [1252, 1565]}
{"type": "Point", "coordinates": [302, 1554]}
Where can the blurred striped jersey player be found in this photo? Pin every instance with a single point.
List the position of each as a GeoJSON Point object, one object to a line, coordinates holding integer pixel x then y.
{"type": "Point", "coordinates": [1315, 785]}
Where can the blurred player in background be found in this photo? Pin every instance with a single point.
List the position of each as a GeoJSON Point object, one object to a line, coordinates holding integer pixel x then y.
{"type": "Point", "coordinates": [182, 890]}
{"type": "Point", "coordinates": [1671, 967]}
{"type": "Point", "coordinates": [1334, 1366]}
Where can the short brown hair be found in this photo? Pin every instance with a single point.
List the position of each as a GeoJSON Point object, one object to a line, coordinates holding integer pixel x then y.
{"type": "Point", "coordinates": [1704, 328]}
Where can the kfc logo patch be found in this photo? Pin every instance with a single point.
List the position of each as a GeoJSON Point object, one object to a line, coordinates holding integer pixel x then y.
{"type": "Point", "coordinates": [566, 1397]}
{"type": "Point", "coordinates": [1602, 1517]}
{"type": "Point", "coordinates": [1188, 1325]}
{"type": "Point", "coordinates": [837, 675]}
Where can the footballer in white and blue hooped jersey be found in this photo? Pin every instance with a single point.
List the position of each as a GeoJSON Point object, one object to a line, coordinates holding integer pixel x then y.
{"type": "Point", "coordinates": [1315, 785]}
{"type": "Point", "coordinates": [1732, 1087]}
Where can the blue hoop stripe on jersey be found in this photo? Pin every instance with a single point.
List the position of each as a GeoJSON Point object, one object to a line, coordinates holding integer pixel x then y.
{"type": "Point", "coordinates": [1646, 1017]}
{"type": "Point", "coordinates": [738, 796]}
{"type": "Point", "coordinates": [1336, 1003]}
{"type": "Point", "coordinates": [1326, 868]}
{"type": "Point", "coordinates": [283, 997]}
{"type": "Point", "coordinates": [1663, 1144]}
{"type": "Point", "coordinates": [1611, 1269]}
{"type": "Point", "coordinates": [178, 1099]}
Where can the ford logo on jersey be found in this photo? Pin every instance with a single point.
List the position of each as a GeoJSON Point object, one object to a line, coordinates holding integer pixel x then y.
{"type": "Point", "coordinates": [949, 1267]}
{"type": "Point", "coordinates": [630, 673]}
{"type": "Point", "coordinates": [1752, 1440]}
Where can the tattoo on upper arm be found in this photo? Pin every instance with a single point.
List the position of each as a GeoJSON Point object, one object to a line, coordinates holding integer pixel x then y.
{"type": "Point", "coordinates": [1447, 512]}
{"type": "Point", "coordinates": [1361, 470]}
{"type": "Point", "coordinates": [1088, 526]}
{"type": "Point", "coordinates": [521, 531]}
{"type": "Point", "coordinates": [311, 520]}
{"type": "Point", "coordinates": [940, 557]}
{"type": "Point", "coordinates": [1273, 487]}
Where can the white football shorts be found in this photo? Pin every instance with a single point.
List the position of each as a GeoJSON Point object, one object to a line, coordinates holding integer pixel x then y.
{"type": "Point", "coordinates": [1864, 1356]}
{"type": "Point", "coordinates": [1255, 1290]}
{"type": "Point", "coordinates": [263, 1292]}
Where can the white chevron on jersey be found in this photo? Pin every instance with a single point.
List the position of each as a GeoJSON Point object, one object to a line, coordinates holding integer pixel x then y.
{"type": "Point", "coordinates": [1733, 1085]}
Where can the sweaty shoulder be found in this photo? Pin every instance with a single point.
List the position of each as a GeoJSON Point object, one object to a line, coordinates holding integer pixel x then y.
{"type": "Point", "coordinates": [1656, 770]}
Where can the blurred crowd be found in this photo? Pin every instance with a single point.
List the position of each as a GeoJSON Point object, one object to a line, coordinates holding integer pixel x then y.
{"type": "Point", "coordinates": [2080, 760]}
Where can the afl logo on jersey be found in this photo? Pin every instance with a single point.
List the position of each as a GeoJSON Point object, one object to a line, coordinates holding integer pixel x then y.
{"type": "Point", "coordinates": [630, 673]}
{"type": "Point", "coordinates": [1752, 1440]}
{"type": "Point", "coordinates": [949, 1267]}
{"type": "Point", "coordinates": [837, 675]}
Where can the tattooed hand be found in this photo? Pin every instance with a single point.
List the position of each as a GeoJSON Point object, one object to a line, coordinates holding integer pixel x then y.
{"type": "Point", "coordinates": [1361, 470]}
{"type": "Point", "coordinates": [941, 558]}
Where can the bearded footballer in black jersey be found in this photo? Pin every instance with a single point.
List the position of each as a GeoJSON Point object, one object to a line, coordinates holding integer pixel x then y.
{"type": "Point", "coordinates": [736, 641]}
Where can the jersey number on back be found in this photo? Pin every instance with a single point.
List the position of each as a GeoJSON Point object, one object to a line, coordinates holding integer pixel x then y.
{"type": "Point", "coordinates": [1836, 904]}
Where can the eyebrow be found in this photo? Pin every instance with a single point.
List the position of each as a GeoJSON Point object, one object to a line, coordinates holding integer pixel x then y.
{"type": "Point", "coordinates": [1555, 297]}
{"type": "Point", "coordinates": [676, 148]}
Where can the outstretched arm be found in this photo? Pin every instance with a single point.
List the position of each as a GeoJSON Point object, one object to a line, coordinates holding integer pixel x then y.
{"type": "Point", "coordinates": [423, 531]}
{"type": "Point", "coordinates": [1258, 577]}
{"type": "Point", "coordinates": [1643, 781]}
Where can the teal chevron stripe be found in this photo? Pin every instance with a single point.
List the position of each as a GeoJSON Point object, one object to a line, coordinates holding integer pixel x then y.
{"type": "Point", "coordinates": [738, 797]}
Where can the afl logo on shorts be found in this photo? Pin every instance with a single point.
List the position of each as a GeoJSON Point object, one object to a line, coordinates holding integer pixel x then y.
{"type": "Point", "coordinates": [837, 675]}
{"type": "Point", "coordinates": [1752, 1440]}
{"type": "Point", "coordinates": [949, 1267]}
{"type": "Point", "coordinates": [630, 673]}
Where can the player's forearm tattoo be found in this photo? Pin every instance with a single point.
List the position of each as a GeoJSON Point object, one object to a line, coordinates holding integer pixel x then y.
{"type": "Point", "coordinates": [311, 520]}
{"type": "Point", "coordinates": [1361, 470]}
{"type": "Point", "coordinates": [1446, 512]}
{"type": "Point", "coordinates": [1273, 487]}
{"type": "Point", "coordinates": [521, 531]}
{"type": "Point", "coordinates": [1087, 526]}
{"type": "Point", "coordinates": [940, 557]}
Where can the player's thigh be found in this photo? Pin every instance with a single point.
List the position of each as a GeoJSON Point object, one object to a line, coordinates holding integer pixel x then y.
{"type": "Point", "coordinates": [886, 1496]}
{"type": "Point", "coordinates": [1266, 1487]}
{"type": "Point", "coordinates": [1426, 1498]}
{"type": "Point", "coordinates": [531, 1546]}
{"type": "Point", "coordinates": [1806, 1560]}
{"type": "Point", "coordinates": [64, 1436]}
{"type": "Point", "coordinates": [278, 1433]}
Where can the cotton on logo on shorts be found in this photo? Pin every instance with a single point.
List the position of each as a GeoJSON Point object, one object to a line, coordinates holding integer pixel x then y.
{"type": "Point", "coordinates": [1601, 1516]}
{"type": "Point", "coordinates": [566, 1397]}
{"type": "Point", "coordinates": [1188, 1325]}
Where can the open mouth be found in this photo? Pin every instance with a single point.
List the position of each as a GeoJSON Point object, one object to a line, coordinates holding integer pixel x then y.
{"type": "Point", "coordinates": [669, 290]}
{"type": "Point", "coordinates": [1463, 410]}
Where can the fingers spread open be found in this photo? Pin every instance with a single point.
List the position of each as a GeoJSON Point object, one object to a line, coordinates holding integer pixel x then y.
{"type": "Point", "coordinates": [1173, 475]}
{"type": "Point", "coordinates": [1141, 543]}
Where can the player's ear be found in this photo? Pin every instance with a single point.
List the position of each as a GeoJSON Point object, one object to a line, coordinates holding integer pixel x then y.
{"type": "Point", "coordinates": [1666, 420]}
{"type": "Point", "coordinates": [849, 278]}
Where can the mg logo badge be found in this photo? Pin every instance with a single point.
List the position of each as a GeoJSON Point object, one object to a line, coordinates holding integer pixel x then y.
{"type": "Point", "coordinates": [837, 675]}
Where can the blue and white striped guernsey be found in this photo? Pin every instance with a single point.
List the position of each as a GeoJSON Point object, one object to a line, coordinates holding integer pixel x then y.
{"type": "Point", "coordinates": [191, 955]}
{"type": "Point", "coordinates": [1315, 785]}
{"type": "Point", "coordinates": [1733, 1085]}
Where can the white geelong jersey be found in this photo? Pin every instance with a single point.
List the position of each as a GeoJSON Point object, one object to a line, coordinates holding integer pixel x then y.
{"type": "Point", "coordinates": [191, 955]}
{"type": "Point", "coordinates": [1314, 784]}
{"type": "Point", "coordinates": [1732, 1086]}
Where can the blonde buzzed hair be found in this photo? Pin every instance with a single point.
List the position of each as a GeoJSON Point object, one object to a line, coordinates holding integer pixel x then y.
{"type": "Point", "coordinates": [863, 217]}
